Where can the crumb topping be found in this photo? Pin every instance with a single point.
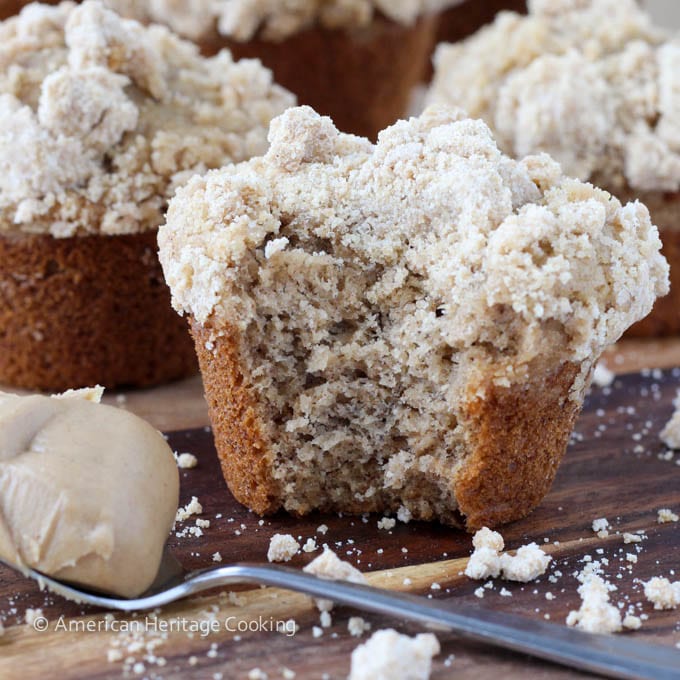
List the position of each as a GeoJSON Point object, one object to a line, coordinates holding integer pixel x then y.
{"type": "Point", "coordinates": [102, 118]}
{"type": "Point", "coordinates": [271, 20]}
{"type": "Point", "coordinates": [390, 655]}
{"type": "Point", "coordinates": [504, 253]}
{"type": "Point", "coordinates": [591, 82]}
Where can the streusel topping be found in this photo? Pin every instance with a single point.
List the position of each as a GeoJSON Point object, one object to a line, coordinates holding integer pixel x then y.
{"type": "Point", "coordinates": [502, 252]}
{"type": "Point", "coordinates": [271, 19]}
{"type": "Point", "coordinates": [101, 118]}
{"type": "Point", "coordinates": [591, 82]}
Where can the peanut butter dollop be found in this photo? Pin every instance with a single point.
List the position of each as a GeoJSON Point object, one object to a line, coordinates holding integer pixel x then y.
{"type": "Point", "coordinates": [88, 492]}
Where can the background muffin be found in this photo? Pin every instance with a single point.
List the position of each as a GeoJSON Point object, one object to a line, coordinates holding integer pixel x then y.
{"type": "Point", "coordinates": [100, 119]}
{"type": "Point", "coordinates": [355, 60]}
{"type": "Point", "coordinates": [408, 325]}
{"type": "Point", "coordinates": [595, 84]}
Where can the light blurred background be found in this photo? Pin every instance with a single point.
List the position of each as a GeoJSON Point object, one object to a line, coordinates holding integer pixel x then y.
{"type": "Point", "coordinates": [666, 11]}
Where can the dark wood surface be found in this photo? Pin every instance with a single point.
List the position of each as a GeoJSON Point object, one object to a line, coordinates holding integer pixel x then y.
{"type": "Point", "coordinates": [613, 469]}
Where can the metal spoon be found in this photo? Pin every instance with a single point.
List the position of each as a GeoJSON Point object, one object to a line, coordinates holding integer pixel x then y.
{"type": "Point", "coordinates": [615, 657]}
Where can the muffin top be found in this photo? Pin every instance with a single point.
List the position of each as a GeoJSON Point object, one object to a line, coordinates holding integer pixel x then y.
{"type": "Point", "coordinates": [272, 20]}
{"type": "Point", "coordinates": [591, 82]}
{"type": "Point", "coordinates": [502, 253]}
{"type": "Point", "coordinates": [101, 118]}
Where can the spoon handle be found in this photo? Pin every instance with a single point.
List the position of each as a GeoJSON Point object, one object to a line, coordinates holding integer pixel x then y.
{"type": "Point", "coordinates": [615, 657]}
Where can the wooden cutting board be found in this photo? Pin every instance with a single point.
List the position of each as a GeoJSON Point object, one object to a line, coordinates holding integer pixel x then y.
{"type": "Point", "coordinates": [614, 468]}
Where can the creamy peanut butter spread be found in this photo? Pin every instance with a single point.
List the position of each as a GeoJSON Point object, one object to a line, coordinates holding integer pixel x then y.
{"type": "Point", "coordinates": [88, 492]}
{"type": "Point", "coordinates": [271, 19]}
{"type": "Point", "coordinates": [102, 118]}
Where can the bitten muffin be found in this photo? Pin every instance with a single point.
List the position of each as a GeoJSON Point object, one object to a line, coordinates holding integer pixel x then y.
{"type": "Point", "coordinates": [100, 119]}
{"type": "Point", "coordinates": [408, 326]}
{"type": "Point", "coordinates": [593, 83]}
{"type": "Point", "coordinates": [355, 60]}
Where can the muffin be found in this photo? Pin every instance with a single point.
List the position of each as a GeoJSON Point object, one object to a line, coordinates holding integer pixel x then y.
{"type": "Point", "coordinates": [101, 118]}
{"type": "Point", "coordinates": [406, 327]}
{"type": "Point", "coordinates": [593, 83]}
{"type": "Point", "coordinates": [355, 60]}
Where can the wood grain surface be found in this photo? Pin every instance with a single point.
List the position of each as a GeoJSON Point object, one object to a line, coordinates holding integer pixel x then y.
{"type": "Point", "coordinates": [614, 468]}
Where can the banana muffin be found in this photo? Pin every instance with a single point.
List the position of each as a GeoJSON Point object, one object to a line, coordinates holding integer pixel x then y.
{"type": "Point", "coordinates": [100, 119]}
{"type": "Point", "coordinates": [407, 326]}
{"type": "Point", "coordinates": [595, 84]}
{"type": "Point", "coordinates": [355, 60]}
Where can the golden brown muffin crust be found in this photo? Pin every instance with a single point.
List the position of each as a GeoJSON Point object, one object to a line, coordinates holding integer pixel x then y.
{"type": "Point", "coordinates": [518, 437]}
{"type": "Point", "coordinates": [86, 310]}
{"type": "Point", "coordinates": [236, 423]}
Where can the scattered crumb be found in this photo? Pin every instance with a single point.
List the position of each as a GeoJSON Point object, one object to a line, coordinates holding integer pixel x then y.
{"type": "Point", "coordinates": [317, 632]}
{"type": "Point", "coordinates": [32, 615]}
{"type": "Point", "coordinates": [528, 563]}
{"type": "Point", "coordinates": [632, 622]}
{"type": "Point", "coordinates": [310, 545]}
{"type": "Point", "coordinates": [186, 461]}
{"type": "Point", "coordinates": [601, 527]}
{"type": "Point", "coordinates": [662, 593]}
{"type": "Point", "coordinates": [387, 523]}
{"type": "Point", "coordinates": [670, 435]}
{"type": "Point", "coordinates": [282, 548]}
{"type": "Point", "coordinates": [216, 557]}
{"type": "Point", "coordinates": [387, 655]}
{"type": "Point", "coordinates": [485, 560]}
{"type": "Point", "coordinates": [322, 529]}
{"type": "Point", "coordinates": [665, 515]}
{"type": "Point", "coordinates": [257, 674]}
{"type": "Point", "coordinates": [596, 614]}
{"type": "Point", "coordinates": [404, 514]}
{"type": "Point", "coordinates": [193, 507]}
{"type": "Point", "coordinates": [325, 619]}
{"type": "Point", "coordinates": [357, 626]}
{"type": "Point", "coordinates": [632, 538]}
{"type": "Point", "coordinates": [113, 655]}
{"type": "Point", "coordinates": [602, 376]}
{"type": "Point", "coordinates": [329, 566]}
